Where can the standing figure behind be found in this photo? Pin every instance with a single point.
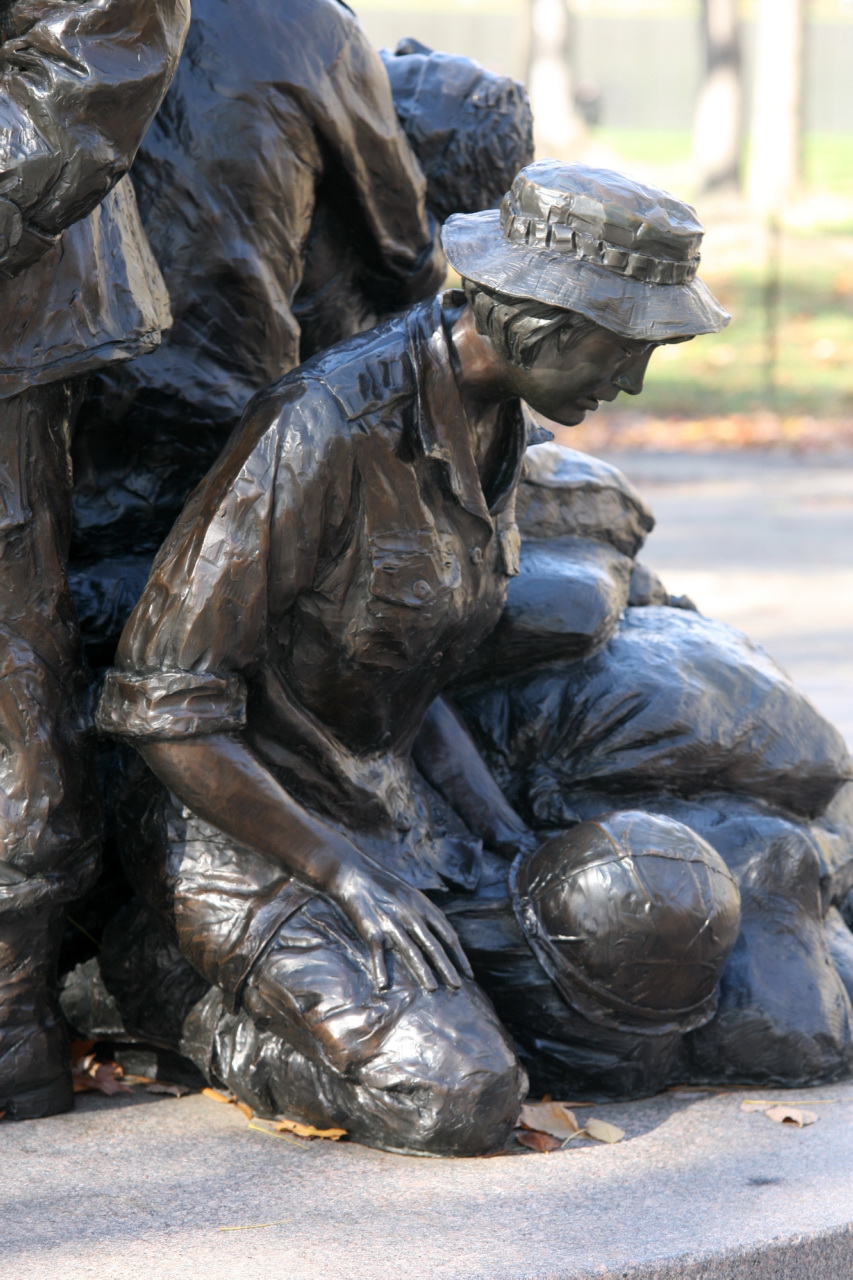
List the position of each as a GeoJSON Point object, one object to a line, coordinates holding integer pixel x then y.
{"type": "Point", "coordinates": [79, 288]}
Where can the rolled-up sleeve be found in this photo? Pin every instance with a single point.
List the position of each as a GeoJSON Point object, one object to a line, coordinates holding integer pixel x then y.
{"type": "Point", "coordinates": [251, 533]}
{"type": "Point", "coordinates": [172, 704]}
{"type": "Point", "coordinates": [79, 85]}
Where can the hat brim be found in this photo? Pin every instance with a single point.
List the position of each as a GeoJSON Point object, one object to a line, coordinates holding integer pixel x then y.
{"type": "Point", "coordinates": [477, 248]}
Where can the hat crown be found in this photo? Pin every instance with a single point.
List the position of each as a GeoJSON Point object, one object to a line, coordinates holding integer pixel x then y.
{"type": "Point", "coordinates": [602, 205]}
{"type": "Point", "coordinates": [633, 915]}
{"type": "Point", "coordinates": [592, 241]}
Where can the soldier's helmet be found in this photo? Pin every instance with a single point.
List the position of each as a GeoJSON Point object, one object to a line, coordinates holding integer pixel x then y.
{"type": "Point", "coordinates": [633, 917]}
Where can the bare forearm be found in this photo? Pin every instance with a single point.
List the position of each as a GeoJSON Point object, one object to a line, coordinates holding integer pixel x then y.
{"type": "Point", "coordinates": [219, 778]}
{"type": "Point", "coordinates": [448, 758]}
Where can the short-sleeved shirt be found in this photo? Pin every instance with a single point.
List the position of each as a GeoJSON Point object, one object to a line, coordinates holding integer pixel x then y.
{"type": "Point", "coordinates": [327, 581]}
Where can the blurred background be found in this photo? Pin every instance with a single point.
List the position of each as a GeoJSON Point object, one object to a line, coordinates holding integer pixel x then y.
{"type": "Point", "coordinates": [742, 442]}
{"type": "Point", "coordinates": [744, 107]}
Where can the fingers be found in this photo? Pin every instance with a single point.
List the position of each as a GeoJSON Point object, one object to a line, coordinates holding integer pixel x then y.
{"type": "Point", "coordinates": [434, 952]}
{"type": "Point", "coordinates": [411, 955]}
{"type": "Point", "coordinates": [441, 926]}
{"type": "Point", "coordinates": [419, 933]}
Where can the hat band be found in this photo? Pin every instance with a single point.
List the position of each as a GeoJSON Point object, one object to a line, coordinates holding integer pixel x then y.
{"type": "Point", "coordinates": [536, 233]}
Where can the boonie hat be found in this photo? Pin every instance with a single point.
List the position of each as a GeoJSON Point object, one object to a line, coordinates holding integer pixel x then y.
{"type": "Point", "coordinates": [633, 917]}
{"type": "Point", "coordinates": [622, 254]}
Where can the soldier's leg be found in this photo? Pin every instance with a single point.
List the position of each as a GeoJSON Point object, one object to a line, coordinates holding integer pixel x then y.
{"type": "Point", "coordinates": [49, 818]}
{"type": "Point", "coordinates": [310, 1036]}
{"type": "Point", "coordinates": [405, 1069]}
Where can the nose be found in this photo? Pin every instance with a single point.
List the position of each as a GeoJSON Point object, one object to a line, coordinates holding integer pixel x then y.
{"type": "Point", "coordinates": [632, 374]}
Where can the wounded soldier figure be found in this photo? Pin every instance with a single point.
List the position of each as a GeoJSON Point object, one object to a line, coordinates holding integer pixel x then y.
{"type": "Point", "coordinates": [340, 911]}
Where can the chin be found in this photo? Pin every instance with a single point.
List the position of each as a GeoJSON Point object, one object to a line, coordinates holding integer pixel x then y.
{"type": "Point", "coordinates": [569, 417]}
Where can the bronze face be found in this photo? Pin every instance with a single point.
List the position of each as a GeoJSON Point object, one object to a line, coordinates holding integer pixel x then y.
{"type": "Point", "coordinates": [571, 372]}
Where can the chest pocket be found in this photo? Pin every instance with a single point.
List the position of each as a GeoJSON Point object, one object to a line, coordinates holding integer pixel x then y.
{"type": "Point", "coordinates": [412, 569]}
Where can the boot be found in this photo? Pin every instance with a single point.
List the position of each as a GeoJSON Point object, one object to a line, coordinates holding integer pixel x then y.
{"type": "Point", "coordinates": [35, 1059]}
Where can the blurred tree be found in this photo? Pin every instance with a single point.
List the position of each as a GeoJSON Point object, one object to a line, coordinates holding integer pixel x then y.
{"type": "Point", "coordinates": [718, 127]}
{"type": "Point", "coordinates": [775, 167]}
{"type": "Point", "coordinates": [559, 130]}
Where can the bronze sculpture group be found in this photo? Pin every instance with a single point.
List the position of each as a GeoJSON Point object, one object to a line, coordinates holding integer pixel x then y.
{"type": "Point", "coordinates": [429, 788]}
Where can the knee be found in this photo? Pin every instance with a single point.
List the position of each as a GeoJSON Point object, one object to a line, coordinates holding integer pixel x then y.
{"type": "Point", "coordinates": [446, 1081]}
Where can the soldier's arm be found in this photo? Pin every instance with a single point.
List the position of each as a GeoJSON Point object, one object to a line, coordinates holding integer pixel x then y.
{"type": "Point", "coordinates": [80, 82]}
{"type": "Point", "coordinates": [447, 756]}
{"type": "Point", "coordinates": [361, 127]}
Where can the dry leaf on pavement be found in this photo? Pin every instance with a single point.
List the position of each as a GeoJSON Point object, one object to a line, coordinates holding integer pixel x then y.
{"type": "Point", "coordinates": [536, 1140]}
{"type": "Point", "coordinates": [549, 1117]}
{"type": "Point", "coordinates": [797, 1116]}
{"type": "Point", "coordinates": [230, 1099]}
{"type": "Point", "coordinates": [603, 1131]}
{"type": "Point", "coordinates": [217, 1096]}
{"type": "Point", "coordinates": [90, 1076]}
{"type": "Point", "coordinates": [782, 1113]}
{"type": "Point", "coordinates": [307, 1130]}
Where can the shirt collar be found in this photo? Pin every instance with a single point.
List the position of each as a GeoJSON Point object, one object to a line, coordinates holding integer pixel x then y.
{"type": "Point", "coordinates": [442, 427]}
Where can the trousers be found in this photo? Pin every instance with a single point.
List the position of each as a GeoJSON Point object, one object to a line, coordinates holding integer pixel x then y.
{"type": "Point", "coordinates": [49, 812]}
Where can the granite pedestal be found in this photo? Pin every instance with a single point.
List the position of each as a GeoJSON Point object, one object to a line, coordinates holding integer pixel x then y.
{"type": "Point", "coordinates": [142, 1187]}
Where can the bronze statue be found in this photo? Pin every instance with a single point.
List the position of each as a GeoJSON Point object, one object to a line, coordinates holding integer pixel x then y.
{"type": "Point", "coordinates": [324, 807]}
{"type": "Point", "coordinates": [598, 691]}
{"type": "Point", "coordinates": [79, 288]}
{"type": "Point", "coordinates": [281, 191]}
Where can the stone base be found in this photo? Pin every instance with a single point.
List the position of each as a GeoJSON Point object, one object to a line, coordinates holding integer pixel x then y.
{"type": "Point", "coordinates": [139, 1186]}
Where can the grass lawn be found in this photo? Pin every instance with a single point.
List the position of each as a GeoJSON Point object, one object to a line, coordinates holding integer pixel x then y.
{"type": "Point", "coordinates": [789, 351]}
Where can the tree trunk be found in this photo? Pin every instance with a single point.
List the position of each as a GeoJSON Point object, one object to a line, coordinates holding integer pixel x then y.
{"type": "Point", "coordinates": [775, 168]}
{"type": "Point", "coordinates": [558, 129]}
{"type": "Point", "coordinates": [718, 127]}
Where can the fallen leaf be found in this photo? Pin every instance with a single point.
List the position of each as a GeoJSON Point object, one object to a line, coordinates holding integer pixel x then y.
{"type": "Point", "coordinates": [230, 1099]}
{"type": "Point", "coordinates": [283, 1137]}
{"type": "Point", "coordinates": [691, 1089]}
{"type": "Point", "coordinates": [537, 1140]}
{"type": "Point", "coordinates": [216, 1095]}
{"type": "Point", "coordinates": [797, 1116]}
{"type": "Point", "coordinates": [603, 1131]}
{"type": "Point", "coordinates": [90, 1076]}
{"type": "Point", "coordinates": [2, 1114]}
{"type": "Point", "coordinates": [162, 1086]}
{"type": "Point", "coordinates": [549, 1117]}
{"type": "Point", "coordinates": [308, 1130]}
